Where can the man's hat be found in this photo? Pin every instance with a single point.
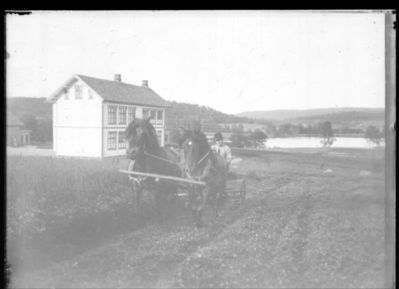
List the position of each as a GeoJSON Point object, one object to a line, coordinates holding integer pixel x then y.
{"type": "Point", "coordinates": [218, 136]}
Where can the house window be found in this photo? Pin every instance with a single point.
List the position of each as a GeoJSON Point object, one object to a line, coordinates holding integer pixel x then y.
{"type": "Point", "coordinates": [78, 91]}
{"type": "Point", "coordinates": [159, 136]}
{"type": "Point", "coordinates": [160, 116]}
{"type": "Point", "coordinates": [146, 113]}
{"type": "Point", "coordinates": [131, 114]}
{"type": "Point", "coordinates": [111, 141]}
{"type": "Point", "coordinates": [122, 115]}
{"type": "Point", "coordinates": [111, 114]}
{"type": "Point", "coordinates": [153, 114]}
{"type": "Point", "coordinates": [121, 140]}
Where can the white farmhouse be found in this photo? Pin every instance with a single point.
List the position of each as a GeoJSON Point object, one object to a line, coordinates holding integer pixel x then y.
{"type": "Point", "coordinates": [90, 115]}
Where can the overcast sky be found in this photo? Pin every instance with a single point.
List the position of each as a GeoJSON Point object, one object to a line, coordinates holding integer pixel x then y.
{"type": "Point", "coordinates": [231, 61]}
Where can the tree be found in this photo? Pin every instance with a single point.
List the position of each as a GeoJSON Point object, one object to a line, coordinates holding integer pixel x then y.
{"type": "Point", "coordinates": [286, 129]}
{"type": "Point", "coordinates": [258, 137]}
{"type": "Point", "coordinates": [45, 130]}
{"type": "Point", "coordinates": [327, 133]}
{"type": "Point", "coordinates": [373, 135]}
{"type": "Point", "coordinates": [301, 129]}
{"type": "Point", "coordinates": [226, 128]}
{"type": "Point", "coordinates": [42, 129]}
{"type": "Point", "coordinates": [239, 139]}
{"type": "Point", "coordinates": [271, 130]}
{"type": "Point", "coordinates": [30, 123]}
{"type": "Point", "coordinates": [174, 136]}
{"type": "Point", "coordinates": [239, 128]}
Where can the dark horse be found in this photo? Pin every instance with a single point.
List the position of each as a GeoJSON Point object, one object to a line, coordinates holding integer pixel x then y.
{"type": "Point", "coordinates": [201, 163]}
{"type": "Point", "coordinates": [148, 156]}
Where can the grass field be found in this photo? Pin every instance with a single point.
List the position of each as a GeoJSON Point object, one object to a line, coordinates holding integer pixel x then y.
{"type": "Point", "coordinates": [310, 220]}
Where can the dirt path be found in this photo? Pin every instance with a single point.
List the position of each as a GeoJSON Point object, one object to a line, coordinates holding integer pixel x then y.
{"type": "Point", "coordinates": [298, 228]}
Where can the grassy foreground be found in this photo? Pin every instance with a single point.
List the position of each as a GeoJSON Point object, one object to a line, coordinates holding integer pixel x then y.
{"type": "Point", "coordinates": [310, 221]}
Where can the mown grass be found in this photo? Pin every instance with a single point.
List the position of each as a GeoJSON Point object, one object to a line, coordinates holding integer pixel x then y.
{"type": "Point", "coordinates": [301, 228]}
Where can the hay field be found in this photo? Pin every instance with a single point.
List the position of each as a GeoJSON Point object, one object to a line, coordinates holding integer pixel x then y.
{"type": "Point", "coordinates": [310, 220]}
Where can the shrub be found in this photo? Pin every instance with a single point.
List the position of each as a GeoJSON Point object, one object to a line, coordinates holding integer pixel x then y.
{"type": "Point", "coordinates": [239, 140]}
{"type": "Point", "coordinates": [373, 135]}
{"type": "Point", "coordinates": [327, 133]}
{"type": "Point", "coordinates": [259, 138]}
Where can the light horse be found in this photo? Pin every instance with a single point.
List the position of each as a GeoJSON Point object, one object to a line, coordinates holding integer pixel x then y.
{"type": "Point", "coordinates": [201, 163]}
{"type": "Point", "coordinates": [147, 156]}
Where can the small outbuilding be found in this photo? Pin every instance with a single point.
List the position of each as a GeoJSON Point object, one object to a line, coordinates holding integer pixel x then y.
{"type": "Point", "coordinates": [16, 135]}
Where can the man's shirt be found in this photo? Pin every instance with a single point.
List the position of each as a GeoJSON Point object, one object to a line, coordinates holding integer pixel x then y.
{"type": "Point", "coordinates": [224, 151]}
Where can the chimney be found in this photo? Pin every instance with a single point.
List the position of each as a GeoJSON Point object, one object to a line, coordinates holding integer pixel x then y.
{"type": "Point", "coordinates": [144, 83]}
{"type": "Point", "coordinates": [118, 78]}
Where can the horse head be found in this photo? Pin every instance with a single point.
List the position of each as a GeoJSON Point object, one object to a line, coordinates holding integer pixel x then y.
{"type": "Point", "coordinates": [195, 149]}
{"type": "Point", "coordinates": [140, 135]}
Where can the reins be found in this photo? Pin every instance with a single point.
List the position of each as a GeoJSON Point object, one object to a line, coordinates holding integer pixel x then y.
{"type": "Point", "coordinates": [172, 162]}
{"type": "Point", "coordinates": [160, 158]}
{"type": "Point", "coordinates": [175, 163]}
{"type": "Point", "coordinates": [203, 158]}
{"type": "Point", "coordinates": [188, 172]}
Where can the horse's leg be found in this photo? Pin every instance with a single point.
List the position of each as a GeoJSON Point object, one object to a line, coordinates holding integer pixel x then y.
{"type": "Point", "coordinates": [170, 191]}
{"type": "Point", "coordinates": [160, 202]}
{"type": "Point", "coordinates": [212, 199]}
{"type": "Point", "coordinates": [158, 205]}
{"type": "Point", "coordinates": [201, 198]}
{"type": "Point", "coordinates": [137, 189]}
{"type": "Point", "coordinates": [197, 218]}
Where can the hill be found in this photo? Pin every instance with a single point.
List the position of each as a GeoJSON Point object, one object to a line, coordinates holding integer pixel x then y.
{"type": "Point", "coordinates": [181, 114]}
{"type": "Point", "coordinates": [178, 114]}
{"type": "Point", "coordinates": [311, 113]}
{"type": "Point", "coordinates": [24, 106]}
{"type": "Point", "coordinates": [345, 116]}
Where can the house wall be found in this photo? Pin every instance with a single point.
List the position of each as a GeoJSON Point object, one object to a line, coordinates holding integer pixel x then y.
{"type": "Point", "coordinates": [78, 142]}
{"type": "Point", "coordinates": [81, 127]}
{"type": "Point", "coordinates": [77, 125]}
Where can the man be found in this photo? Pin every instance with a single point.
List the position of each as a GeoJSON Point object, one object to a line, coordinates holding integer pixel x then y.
{"type": "Point", "coordinates": [222, 149]}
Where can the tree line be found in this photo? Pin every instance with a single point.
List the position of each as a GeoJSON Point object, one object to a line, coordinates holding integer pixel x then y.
{"type": "Point", "coordinates": [41, 128]}
{"type": "Point", "coordinates": [42, 132]}
{"type": "Point", "coordinates": [258, 137]}
{"type": "Point", "coordinates": [289, 129]}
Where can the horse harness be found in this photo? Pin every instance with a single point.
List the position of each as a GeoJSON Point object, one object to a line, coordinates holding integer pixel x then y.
{"type": "Point", "coordinates": [138, 180]}
{"type": "Point", "coordinates": [187, 171]}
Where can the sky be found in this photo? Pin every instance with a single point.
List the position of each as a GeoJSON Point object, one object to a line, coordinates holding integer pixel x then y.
{"type": "Point", "coordinates": [232, 61]}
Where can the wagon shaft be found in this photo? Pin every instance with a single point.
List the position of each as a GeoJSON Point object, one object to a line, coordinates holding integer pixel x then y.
{"type": "Point", "coordinates": [163, 177]}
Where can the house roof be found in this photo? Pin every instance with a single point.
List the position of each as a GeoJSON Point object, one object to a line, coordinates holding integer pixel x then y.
{"type": "Point", "coordinates": [12, 120]}
{"type": "Point", "coordinates": [114, 91]}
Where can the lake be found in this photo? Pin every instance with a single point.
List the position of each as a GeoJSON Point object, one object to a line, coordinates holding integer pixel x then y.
{"type": "Point", "coordinates": [314, 142]}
